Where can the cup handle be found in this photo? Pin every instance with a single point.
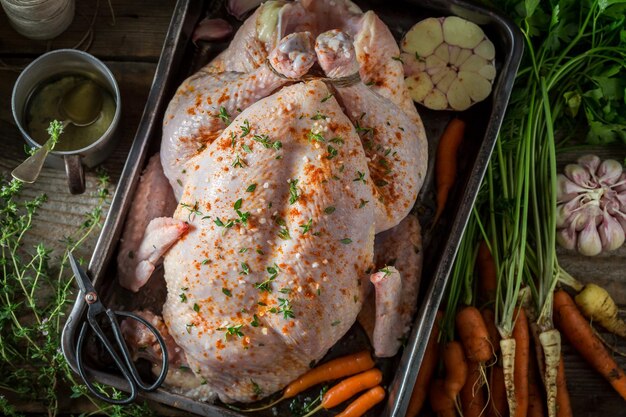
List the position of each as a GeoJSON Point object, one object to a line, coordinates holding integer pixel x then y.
{"type": "Point", "coordinates": [75, 174]}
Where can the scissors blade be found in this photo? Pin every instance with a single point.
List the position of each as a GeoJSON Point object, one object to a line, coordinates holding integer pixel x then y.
{"type": "Point", "coordinates": [84, 283]}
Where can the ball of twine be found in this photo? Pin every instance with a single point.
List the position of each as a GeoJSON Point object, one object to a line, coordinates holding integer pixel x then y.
{"type": "Point", "coordinates": [39, 19]}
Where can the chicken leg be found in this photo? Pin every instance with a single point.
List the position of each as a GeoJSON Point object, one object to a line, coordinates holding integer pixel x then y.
{"type": "Point", "coordinates": [395, 145]}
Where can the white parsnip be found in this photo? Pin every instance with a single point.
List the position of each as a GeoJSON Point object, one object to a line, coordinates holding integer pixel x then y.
{"type": "Point", "coordinates": [551, 343]}
{"type": "Point", "coordinates": [507, 347]}
{"type": "Point", "coordinates": [597, 305]}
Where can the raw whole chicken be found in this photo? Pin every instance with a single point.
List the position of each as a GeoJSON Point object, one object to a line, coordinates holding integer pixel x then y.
{"type": "Point", "coordinates": [273, 272]}
{"type": "Point", "coordinates": [282, 182]}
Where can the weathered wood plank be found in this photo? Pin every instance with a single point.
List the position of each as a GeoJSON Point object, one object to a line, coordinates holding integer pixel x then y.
{"type": "Point", "coordinates": [137, 34]}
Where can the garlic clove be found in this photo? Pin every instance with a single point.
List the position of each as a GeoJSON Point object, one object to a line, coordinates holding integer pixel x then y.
{"type": "Point", "coordinates": [611, 199]}
{"type": "Point", "coordinates": [423, 38]}
{"type": "Point", "coordinates": [211, 30]}
{"type": "Point", "coordinates": [567, 238]}
{"type": "Point", "coordinates": [566, 212]}
{"type": "Point", "coordinates": [609, 172]}
{"type": "Point", "coordinates": [594, 212]}
{"type": "Point", "coordinates": [579, 220]}
{"type": "Point", "coordinates": [476, 86]}
{"type": "Point", "coordinates": [621, 198]}
{"type": "Point", "coordinates": [611, 232]}
{"type": "Point", "coordinates": [462, 33]}
{"type": "Point", "coordinates": [486, 50]}
{"type": "Point", "coordinates": [578, 174]}
{"type": "Point", "coordinates": [446, 80]}
{"type": "Point", "coordinates": [563, 212]}
{"type": "Point", "coordinates": [567, 189]}
{"type": "Point", "coordinates": [620, 186]}
{"type": "Point", "coordinates": [419, 85]}
{"type": "Point", "coordinates": [621, 219]}
{"type": "Point", "coordinates": [589, 243]}
{"type": "Point", "coordinates": [589, 213]}
{"type": "Point", "coordinates": [590, 162]}
{"type": "Point", "coordinates": [436, 100]}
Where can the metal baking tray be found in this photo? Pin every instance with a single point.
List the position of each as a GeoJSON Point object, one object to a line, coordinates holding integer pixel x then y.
{"type": "Point", "coordinates": [180, 58]}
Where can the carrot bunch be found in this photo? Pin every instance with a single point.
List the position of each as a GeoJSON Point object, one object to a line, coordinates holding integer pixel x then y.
{"type": "Point", "coordinates": [362, 376]}
{"type": "Point", "coordinates": [348, 388]}
{"type": "Point", "coordinates": [461, 382]}
{"type": "Point", "coordinates": [483, 372]}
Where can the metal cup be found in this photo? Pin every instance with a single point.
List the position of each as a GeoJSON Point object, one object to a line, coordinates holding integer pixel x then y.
{"type": "Point", "coordinates": [68, 61]}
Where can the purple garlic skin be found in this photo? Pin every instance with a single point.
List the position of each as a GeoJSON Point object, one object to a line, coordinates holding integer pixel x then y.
{"type": "Point", "coordinates": [591, 206]}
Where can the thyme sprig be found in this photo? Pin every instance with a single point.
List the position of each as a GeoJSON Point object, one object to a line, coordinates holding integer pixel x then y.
{"type": "Point", "coordinates": [37, 290]}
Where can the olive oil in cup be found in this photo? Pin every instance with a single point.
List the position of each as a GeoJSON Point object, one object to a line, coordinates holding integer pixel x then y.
{"type": "Point", "coordinates": [36, 101]}
{"type": "Point", "coordinates": [46, 104]}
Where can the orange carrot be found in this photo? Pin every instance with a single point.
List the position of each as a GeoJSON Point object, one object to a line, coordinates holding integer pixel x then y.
{"type": "Point", "coordinates": [446, 162]}
{"type": "Point", "coordinates": [456, 368]}
{"type": "Point", "coordinates": [498, 406]}
{"type": "Point", "coordinates": [472, 394]}
{"type": "Point", "coordinates": [334, 369]}
{"type": "Point", "coordinates": [441, 404]}
{"type": "Point", "coordinates": [490, 322]}
{"type": "Point", "coordinates": [522, 357]}
{"type": "Point", "coordinates": [534, 332]}
{"type": "Point", "coordinates": [563, 406]}
{"type": "Point", "coordinates": [427, 369]}
{"type": "Point", "coordinates": [473, 334]}
{"type": "Point", "coordinates": [487, 274]}
{"type": "Point", "coordinates": [535, 398]}
{"type": "Point", "coordinates": [362, 404]}
{"type": "Point", "coordinates": [351, 386]}
{"type": "Point", "coordinates": [579, 333]}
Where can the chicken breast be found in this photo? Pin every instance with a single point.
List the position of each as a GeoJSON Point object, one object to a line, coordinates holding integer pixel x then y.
{"type": "Point", "coordinates": [206, 103]}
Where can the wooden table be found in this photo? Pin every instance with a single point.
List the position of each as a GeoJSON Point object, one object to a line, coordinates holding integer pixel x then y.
{"type": "Point", "coordinates": [131, 49]}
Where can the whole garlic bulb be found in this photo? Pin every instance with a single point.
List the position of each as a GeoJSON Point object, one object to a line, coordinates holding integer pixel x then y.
{"type": "Point", "coordinates": [591, 206]}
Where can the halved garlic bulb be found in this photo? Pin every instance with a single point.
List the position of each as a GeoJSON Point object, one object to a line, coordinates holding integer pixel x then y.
{"type": "Point", "coordinates": [448, 63]}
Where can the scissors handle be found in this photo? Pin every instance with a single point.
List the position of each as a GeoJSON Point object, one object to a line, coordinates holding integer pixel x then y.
{"type": "Point", "coordinates": [124, 364]}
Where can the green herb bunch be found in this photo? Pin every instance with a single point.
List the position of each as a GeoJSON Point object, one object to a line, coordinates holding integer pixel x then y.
{"type": "Point", "coordinates": [37, 291]}
{"type": "Point", "coordinates": [579, 47]}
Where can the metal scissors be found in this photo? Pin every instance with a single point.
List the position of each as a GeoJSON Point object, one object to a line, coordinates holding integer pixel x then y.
{"type": "Point", "coordinates": [95, 311]}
